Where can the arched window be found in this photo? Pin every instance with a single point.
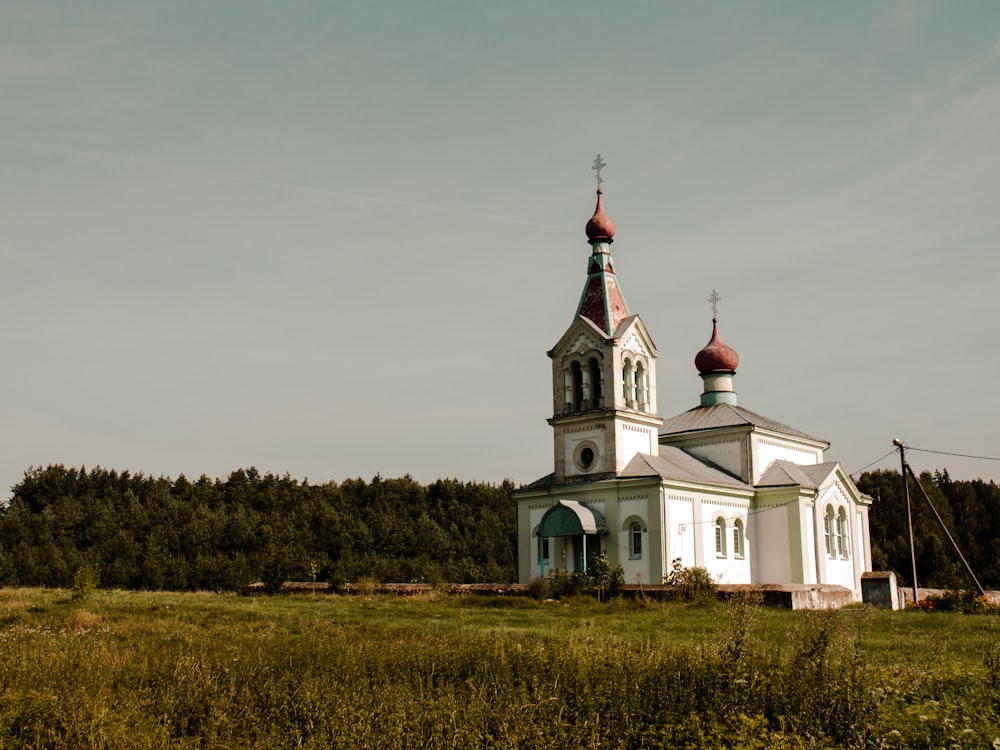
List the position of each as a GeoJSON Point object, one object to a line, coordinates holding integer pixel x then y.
{"type": "Point", "coordinates": [828, 529]}
{"type": "Point", "coordinates": [640, 386]}
{"type": "Point", "coordinates": [842, 535]}
{"type": "Point", "coordinates": [577, 374]}
{"type": "Point", "coordinates": [635, 541]}
{"type": "Point", "coordinates": [595, 383]}
{"type": "Point", "coordinates": [720, 537]}
{"type": "Point", "coordinates": [738, 549]}
{"type": "Point", "coordinates": [628, 382]}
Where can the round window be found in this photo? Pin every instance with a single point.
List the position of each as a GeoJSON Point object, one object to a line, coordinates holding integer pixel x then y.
{"type": "Point", "coordinates": [585, 456]}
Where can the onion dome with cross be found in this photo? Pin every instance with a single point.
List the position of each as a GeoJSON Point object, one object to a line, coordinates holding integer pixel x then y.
{"type": "Point", "coordinates": [717, 364]}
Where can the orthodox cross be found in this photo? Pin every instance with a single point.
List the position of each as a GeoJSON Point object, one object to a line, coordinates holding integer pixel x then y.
{"type": "Point", "coordinates": [599, 164]}
{"type": "Point", "coordinates": [714, 299]}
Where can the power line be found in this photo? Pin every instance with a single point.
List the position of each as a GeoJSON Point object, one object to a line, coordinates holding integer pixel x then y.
{"type": "Point", "coordinates": [924, 450]}
{"type": "Point", "coordinates": [874, 462]}
{"type": "Point", "coordinates": [945, 453]}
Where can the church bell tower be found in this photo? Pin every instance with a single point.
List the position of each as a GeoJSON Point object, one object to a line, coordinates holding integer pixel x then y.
{"type": "Point", "coordinates": [603, 372]}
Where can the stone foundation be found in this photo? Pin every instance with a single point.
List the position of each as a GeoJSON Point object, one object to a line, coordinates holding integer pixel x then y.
{"type": "Point", "coordinates": [786, 595]}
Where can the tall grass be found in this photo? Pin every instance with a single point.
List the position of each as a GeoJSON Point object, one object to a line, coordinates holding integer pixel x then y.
{"type": "Point", "coordinates": [169, 670]}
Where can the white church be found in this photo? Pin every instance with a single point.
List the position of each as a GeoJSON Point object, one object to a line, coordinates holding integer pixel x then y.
{"type": "Point", "coordinates": [719, 486]}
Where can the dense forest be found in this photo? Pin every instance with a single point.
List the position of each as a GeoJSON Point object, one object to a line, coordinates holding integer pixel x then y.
{"type": "Point", "coordinates": [971, 511]}
{"type": "Point", "coordinates": [157, 533]}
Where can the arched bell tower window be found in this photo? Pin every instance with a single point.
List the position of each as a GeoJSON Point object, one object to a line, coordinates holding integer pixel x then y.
{"type": "Point", "coordinates": [595, 382]}
{"type": "Point", "coordinates": [628, 383]}
{"type": "Point", "coordinates": [640, 386]}
{"type": "Point", "coordinates": [576, 375]}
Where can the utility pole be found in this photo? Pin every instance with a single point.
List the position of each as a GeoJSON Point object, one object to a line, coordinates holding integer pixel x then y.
{"type": "Point", "coordinates": [909, 513]}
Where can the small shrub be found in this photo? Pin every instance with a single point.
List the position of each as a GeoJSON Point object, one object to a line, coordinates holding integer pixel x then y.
{"type": "Point", "coordinates": [563, 583]}
{"type": "Point", "coordinates": [690, 584]}
{"type": "Point", "coordinates": [85, 582]}
{"type": "Point", "coordinates": [963, 602]}
{"type": "Point", "coordinates": [336, 581]}
{"type": "Point", "coordinates": [539, 588]}
{"type": "Point", "coordinates": [742, 611]}
{"type": "Point", "coordinates": [608, 582]}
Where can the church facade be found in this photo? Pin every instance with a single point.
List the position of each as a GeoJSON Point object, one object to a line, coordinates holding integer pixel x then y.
{"type": "Point", "coordinates": [719, 486]}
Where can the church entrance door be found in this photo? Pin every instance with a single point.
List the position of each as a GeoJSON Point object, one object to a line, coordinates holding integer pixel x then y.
{"type": "Point", "coordinates": [580, 527]}
{"type": "Point", "coordinates": [585, 547]}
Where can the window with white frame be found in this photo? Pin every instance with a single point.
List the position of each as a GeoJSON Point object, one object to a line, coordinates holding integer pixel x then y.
{"type": "Point", "coordinates": [842, 536]}
{"type": "Point", "coordinates": [738, 549]}
{"type": "Point", "coordinates": [828, 529]}
{"type": "Point", "coordinates": [635, 541]}
{"type": "Point", "coordinates": [720, 537]}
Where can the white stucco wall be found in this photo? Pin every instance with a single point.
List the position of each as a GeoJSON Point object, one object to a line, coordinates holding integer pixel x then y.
{"type": "Point", "coordinates": [810, 572]}
{"type": "Point", "coordinates": [724, 567]}
{"type": "Point", "coordinates": [771, 552]}
{"type": "Point", "coordinates": [862, 552]}
{"type": "Point", "coordinates": [637, 570]}
{"type": "Point", "coordinates": [767, 451]}
{"type": "Point", "coordinates": [842, 567]}
{"type": "Point", "coordinates": [594, 436]}
{"type": "Point", "coordinates": [691, 535]}
{"type": "Point", "coordinates": [681, 525]}
{"type": "Point", "coordinates": [633, 439]}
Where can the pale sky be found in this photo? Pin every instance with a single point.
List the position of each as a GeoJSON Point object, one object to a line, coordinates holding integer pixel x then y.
{"type": "Point", "coordinates": [336, 239]}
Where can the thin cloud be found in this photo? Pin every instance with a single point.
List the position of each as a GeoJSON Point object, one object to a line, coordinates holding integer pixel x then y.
{"type": "Point", "coordinates": [248, 179]}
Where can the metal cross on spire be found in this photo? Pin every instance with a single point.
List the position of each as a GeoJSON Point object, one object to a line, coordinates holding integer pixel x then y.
{"type": "Point", "coordinates": [714, 299]}
{"type": "Point", "coordinates": [599, 164]}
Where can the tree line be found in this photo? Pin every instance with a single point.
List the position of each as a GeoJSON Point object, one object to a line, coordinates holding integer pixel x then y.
{"type": "Point", "coordinates": [970, 510]}
{"type": "Point", "coordinates": [143, 532]}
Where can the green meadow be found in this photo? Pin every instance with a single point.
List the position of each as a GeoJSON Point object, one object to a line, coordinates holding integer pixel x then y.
{"type": "Point", "coordinates": [116, 669]}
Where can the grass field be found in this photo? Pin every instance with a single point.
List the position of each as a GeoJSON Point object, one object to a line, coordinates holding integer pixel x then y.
{"type": "Point", "coordinates": [147, 670]}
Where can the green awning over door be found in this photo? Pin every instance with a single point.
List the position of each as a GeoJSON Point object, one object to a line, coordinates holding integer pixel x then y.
{"type": "Point", "coordinates": [568, 518]}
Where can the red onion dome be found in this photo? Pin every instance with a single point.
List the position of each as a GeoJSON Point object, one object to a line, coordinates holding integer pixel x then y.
{"type": "Point", "coordinates": [600, 227]}
{"type": "Point", "coordinates": [716, 356]}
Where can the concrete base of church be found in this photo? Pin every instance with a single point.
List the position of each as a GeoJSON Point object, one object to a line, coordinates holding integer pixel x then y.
{"type": "Point", "coordinates": [793, 595]}
{"type": "Point", "coordinates": [786, 595]}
